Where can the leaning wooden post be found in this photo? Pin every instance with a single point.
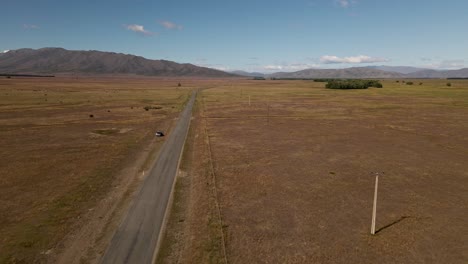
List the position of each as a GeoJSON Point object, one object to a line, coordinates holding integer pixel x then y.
{"type": "Point", "coordinates": [374, 209]}
{"type": "Point", "coordinates": [249, 100]}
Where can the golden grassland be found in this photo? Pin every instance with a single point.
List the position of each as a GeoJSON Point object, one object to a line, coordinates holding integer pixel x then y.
{"type": "Point", "coordinates": [63, 142]}
{"type": "Point", "coordinates": [273, 171]}
{"type": "Point", "coordinates": [293, 175]}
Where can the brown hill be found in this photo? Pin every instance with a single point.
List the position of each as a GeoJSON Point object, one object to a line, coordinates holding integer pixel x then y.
{"type": "Point", "coordinates": [348, 73]}
{"type": "Point", "coordinates": [461, 73]}
{"type": "Point", "coordinates": [62, 61]}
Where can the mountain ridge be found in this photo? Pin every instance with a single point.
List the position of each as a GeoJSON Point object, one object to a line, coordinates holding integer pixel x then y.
{"type": "Point", "coordinates": [365, 72]}
{"type": "Point", "coordinates": [62, 61]}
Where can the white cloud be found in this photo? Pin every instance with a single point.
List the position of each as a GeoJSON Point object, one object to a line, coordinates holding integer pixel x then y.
{"type": "Point", "coordinates": [138, 29]}
{"type": "Point", "coordinates": [327, 59]}
{"type": "Point", "coordinates": [289, 67]}
{"type": "Point", "coordinates": [170, 25]}
{"type": "Point", "coordinates": [446, 65]}
{"type": "Point", "coordinates": [343, 3]}
{"type": "Point", "coordinates": [30, 26]}
{"type": "Point", "coordinates": [273, 67]}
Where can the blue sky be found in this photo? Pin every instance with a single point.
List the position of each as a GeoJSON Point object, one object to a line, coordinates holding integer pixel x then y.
{"type": "Point", "coordinates": [250, 35]}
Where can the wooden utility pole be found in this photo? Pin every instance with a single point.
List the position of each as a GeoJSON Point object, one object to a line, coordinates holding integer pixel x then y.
{"type": "Point", "coordinates": [374, 209]}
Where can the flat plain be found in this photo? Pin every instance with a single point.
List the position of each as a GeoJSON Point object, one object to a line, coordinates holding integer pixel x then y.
{"type": "Point", "coordinates": [283, 172]}
{"type": "Point", "coordinates": [272, 172]}
{"type": "Point", "coordinates": [72, 152]}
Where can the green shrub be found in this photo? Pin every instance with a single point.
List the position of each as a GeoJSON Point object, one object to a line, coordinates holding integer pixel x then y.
{"type": "Point", "coordinates": [449, 84]}
{"type": "Point", "coordinates": [152, 107]}
{"type": "Point", "coordinates": [409, 83]}
{"type": "Point", "coordinates": [353, 84]}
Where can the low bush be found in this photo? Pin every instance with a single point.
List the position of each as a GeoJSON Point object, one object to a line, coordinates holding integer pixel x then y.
{"type": "Point", "coordinates": [353, 84]}
{"type": "Point", "coordinates": [152, 107]}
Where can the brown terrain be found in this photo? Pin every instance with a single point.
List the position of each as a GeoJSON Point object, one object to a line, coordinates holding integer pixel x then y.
{"type": "Point", "coordinates": [286, 178]}
{"type": "Point", "coordinates": [289, 178]}
{"type": "Point", "coordinates": [73, 152]}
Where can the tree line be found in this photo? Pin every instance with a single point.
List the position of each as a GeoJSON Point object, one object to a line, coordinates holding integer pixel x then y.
{"type": "Point", "coordinates": [352, 84]}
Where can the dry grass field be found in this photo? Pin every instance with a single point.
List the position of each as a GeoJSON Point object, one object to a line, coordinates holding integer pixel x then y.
{"type": "Point", "coordinates": [66, 145]}
{"type": "Point", "coordinates": [289, 177]}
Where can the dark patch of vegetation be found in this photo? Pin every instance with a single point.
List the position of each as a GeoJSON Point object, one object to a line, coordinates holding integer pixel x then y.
{"type": "Point", "coordinates": [449, 84]}
{"type": "Point", "coordinates": [397, 81]}
{"type": "Point", "coordinates": [259, 78]}
{"type": "Point", "coordinates": [91, 116]}
{"type": "Point", "coordinates": [353, 84]}
{"type": "Point", "coordinates": [147, 108]}
{"type": "Point", "coordinates": [24, 75]}
{"type": "Point", "coordinates": [409, 83]}
{"type": "Point", "coordinates": [420, 83]}
{"type": "Point", "coordinates": [294, 79]}
{"type": "Point", "coordinates": [325, 80]}
{"type": "Point", "coordinates": [179, 85]}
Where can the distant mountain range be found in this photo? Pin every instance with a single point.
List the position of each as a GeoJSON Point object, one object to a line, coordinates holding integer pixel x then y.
{"type": "Point", "coordinates": [249, 74]}
{"type": "Point", "coordinates": [62, 61]}
{"type": "Point", "coordinates": [399, 69]}
{"type": "Point", "coordinates": [348, 73]}
{"type": "Point", "coordinates": [382, 72]}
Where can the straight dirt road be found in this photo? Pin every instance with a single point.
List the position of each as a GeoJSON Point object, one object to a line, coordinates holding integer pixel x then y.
{"type": "Point", "coordinates": [136, 238]}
